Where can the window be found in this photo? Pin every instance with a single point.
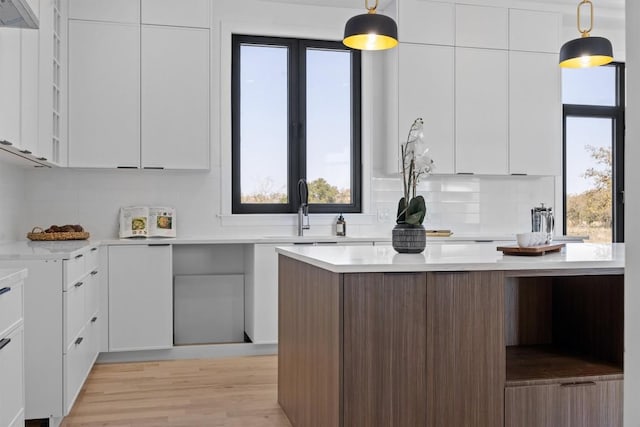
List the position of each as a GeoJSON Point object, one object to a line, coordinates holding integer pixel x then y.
{"type": "Point", "coordinates": [296, 114]}
{"type": "Point", "coordinates": [594, 152]}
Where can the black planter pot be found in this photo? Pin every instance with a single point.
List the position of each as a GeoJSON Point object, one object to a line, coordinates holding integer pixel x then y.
{"type": "Point", "coordinates": [408, 238]}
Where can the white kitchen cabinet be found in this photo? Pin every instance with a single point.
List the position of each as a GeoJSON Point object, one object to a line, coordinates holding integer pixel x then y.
{"type": "Point", "coordinates": [10, 78]}
{"type": "Point", "coordinates": [427, 22]}
{"type": "Point", "coordinates": [104, 94]}
{"type": "Point", "coordinates": [11, 349]}
{"type": "Point", "coordinates": [481, 81]}
{"type": "Point", "coordinates": [183, 13]}
{"type": "Point", "coordinates": [175, 97]}
{"type": "Point", "coordinates": [125, 11]}
{"type": "Point", "coordinates": [140, 297]}
{"type": "Point", "coordinates": [35, 7]}
{"type": "Point", "coordinates": [29, 90]}
{"type": "Point", "coordinates": [535, 116]}
{"type": "Point", "coordinates": [426, 89]}
{"type": "Point", "coordinates": [534, 31]}
{"type": "Point", "coordinates": [482, 26]}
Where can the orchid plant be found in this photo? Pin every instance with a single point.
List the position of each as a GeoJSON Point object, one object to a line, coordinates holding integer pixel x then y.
{"type": "Point", "coordinates": [416, 163]}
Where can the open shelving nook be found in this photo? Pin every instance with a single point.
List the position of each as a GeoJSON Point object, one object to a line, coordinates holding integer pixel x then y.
{"type": "Point", "coordinates": [564, 337]}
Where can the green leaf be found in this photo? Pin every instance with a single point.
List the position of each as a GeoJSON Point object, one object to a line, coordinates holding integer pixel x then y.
{"type": "Point", "coordinates": [416, 211]}
{"type": "Point", "coordinates": [402, 210]}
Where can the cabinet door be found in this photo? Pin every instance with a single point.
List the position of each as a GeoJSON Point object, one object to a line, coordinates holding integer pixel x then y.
{"type": "Point", "coordinates": [592, 404]}
{"type": "Point", "coordinates": [428, 22]}
{"type": "Point", "coordinates": [534, 31]}
{"type": "Point", "coordinates": [29, 91]}
{"type": "Point", "coordinates": [426, 89]}
{"type": "Point", "coordinates": [104, 94]}
{"type": "Point", "coordinates": [10, 78]}
{"type": "Point", "coordinates": [185, 13]}
{"type": "Point", "coordinates": [465, 349]}
{"type": "Point", "coordinates": [12, 384]}
{"type": "Point", "coordinates": [533, 406]}
{"type": "Point", "coordinates": [535, 115]}
{"type": "Point", "coordinates": [482, 26]}
{"type": "Point", "coordinates": [140, 297]}
{"type": "Point", "coordinates": [481, 111]}
{"type": "Point", "coordinates": [127, 11]}
{"type": "Point", "coordinates": [175, 98]}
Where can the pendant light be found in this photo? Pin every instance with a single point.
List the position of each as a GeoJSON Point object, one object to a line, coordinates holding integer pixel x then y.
{"type": "Point", "coordinates": [586, 51]}
{"type": "Point", "coordinates": [370, 31]}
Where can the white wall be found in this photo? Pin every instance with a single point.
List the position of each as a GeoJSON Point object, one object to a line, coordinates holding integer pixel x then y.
{"type": "Point", "coordinates": [632, 225]}
{"type": "Point", "coordinates": [12, 205]}
{"type": "Point", "coordinates": [202, 199]}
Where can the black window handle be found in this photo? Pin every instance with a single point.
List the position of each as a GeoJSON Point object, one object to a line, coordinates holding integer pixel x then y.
{"type": "Point", "coordinates": [77, 285]}
{"type": "Point", "coordinates": [4, 342]}
{"type": "Point", "coordinates": [94, 320]}
{"type": "Point", "coordinates": [4, 290]}
{"type": "Point", "coordinates": [79, 340]}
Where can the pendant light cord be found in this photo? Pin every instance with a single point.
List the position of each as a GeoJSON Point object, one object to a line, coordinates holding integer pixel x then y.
{"type": "Point", "coordinates": [585, 33]}
{"type": "Point", "coordinates": [371, 9]}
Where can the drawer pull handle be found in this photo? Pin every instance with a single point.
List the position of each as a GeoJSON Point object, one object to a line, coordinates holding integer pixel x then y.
{"type": "Point", "coordinates": [79, 256]}
{"type": "Point", "coordinates": [4, 342]}
{"type": "Point", "coordinates": [77, 285]}
{"type": "Point", "coordinates": [94, 272]}
{"type": "Point", "coordinates": [94, 320]}
{"type": "Point", "coordinates": [578, 384]}
{"type": "Point", "coordinates": [4, 290]}
{"type": "Point", "coordinates": [94, 249]}
{"type": "Point", "coordinates": [79, 340]}
{"type": "Point", "coordinates": [157, 245]}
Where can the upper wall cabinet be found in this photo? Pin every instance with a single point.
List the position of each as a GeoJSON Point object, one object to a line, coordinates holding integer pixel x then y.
{"type": "Point", "coordinates": [127, 11]}
{"type": "Point", "coordinates": [426, 89]}
{"type": "Point", "coordinates": [10, 79]}
{"type": "Point", "coordinates": [421, 21]}
{"type": "Point", "coordinates": [535, 115]}
{"type": "Point", "coordinates": [481, 111]}
{"type": "Point", "coordinates": [534, 31]}
{"type": "Point", "coordinates": [482, 26]}
{"type": "Point", "coordinates": [183, 13]}
{"type": "Point", "coordinates": [104, 94]}
{"type": "Point", "coordinates": [175, 97]}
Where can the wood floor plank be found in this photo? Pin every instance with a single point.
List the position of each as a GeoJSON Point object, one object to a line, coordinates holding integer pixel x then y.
{"type": "Point", "coordinates": [235, 392]}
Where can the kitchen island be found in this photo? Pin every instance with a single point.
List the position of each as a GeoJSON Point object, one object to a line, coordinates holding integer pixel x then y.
{"type": "Point", "coordinates": [460, 335]}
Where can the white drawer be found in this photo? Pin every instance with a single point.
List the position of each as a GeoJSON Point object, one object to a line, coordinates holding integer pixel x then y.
{"type": "Point", "coordinates": [75, 315]}
{"type": "Point", "coordinates": [10, 306]}
{"type": "Point", "coordinates": [92, 259]}
{"type": "Point", "coordinates": [92, 293]}
{"type": "Point", "coordinates": [12, 383]}
{"type": "Point", "coordinates": [73, 269]}
{"type": "Point", "coordinates": [74, 369]}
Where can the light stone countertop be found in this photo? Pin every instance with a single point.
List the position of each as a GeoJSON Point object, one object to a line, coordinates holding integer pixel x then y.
{"type": "Point", "coordinates": [455, 257]}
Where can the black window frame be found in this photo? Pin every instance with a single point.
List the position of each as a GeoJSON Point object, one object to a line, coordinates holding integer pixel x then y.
{"type": "Point", "coordinates": [617, 114]}
{"type": "Point", "coordinates": [296, 142]}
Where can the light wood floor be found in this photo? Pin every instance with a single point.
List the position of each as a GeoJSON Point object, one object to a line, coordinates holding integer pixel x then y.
{"type": "Point", "coordinates": [237, 392]}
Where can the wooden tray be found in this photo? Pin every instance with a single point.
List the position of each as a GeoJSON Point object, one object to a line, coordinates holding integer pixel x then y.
{"type": "Point", "coordinates": [531, 250]}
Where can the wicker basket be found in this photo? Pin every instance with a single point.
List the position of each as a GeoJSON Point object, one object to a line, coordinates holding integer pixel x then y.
{"type": "Point", "coordinates": [38, 234]}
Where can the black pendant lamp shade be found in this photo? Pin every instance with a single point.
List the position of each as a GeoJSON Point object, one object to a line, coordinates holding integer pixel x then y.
{"type": "Point", "coordinates": [370, 31]}
{"type": "Point", "coordinates": [586, 51]}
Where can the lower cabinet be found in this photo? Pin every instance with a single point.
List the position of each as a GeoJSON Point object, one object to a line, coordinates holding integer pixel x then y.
{"type": "Point", "coordinates": [140, 297]}
{"type": "Point", "coordinates": [570, 404]}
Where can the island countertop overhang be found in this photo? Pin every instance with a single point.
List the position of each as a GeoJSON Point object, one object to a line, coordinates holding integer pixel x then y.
{"type": "Point", "coordinates": [458, 257]}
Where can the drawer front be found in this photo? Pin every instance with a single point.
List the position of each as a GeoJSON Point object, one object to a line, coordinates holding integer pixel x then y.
{"type": "Point", "coordinates": [92, 260]}
{"type": "Point", "coordinates": [73, 269]}
{"type": "Point", "coordinates": [92, 293]}
{"type": "Point", "coordinates": [582, 404]}
{"type": "Point", "coordinates": [10, 306]}
{"type": "Point", "coordinates": [75, 316]}
{"type": "Point", "coordinates": [74, 369]}
{"type": "Point", "coordinates": [12, 379]}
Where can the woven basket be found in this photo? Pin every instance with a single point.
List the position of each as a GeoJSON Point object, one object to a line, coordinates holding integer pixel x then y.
{"type": "Point", "coordinates": [38, 234]}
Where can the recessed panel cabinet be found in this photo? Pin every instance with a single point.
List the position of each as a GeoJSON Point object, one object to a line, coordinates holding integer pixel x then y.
{"type": "Point", "coordinates": [125, 11]}
{"type": "Point", "coordinates": [183, 13]}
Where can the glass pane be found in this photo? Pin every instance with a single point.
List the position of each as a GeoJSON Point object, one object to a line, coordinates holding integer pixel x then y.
{"type": "Point", "coordinates": [589, 86]}
{"type": "Point", "coordinates": [589, 184]}
{"type": "Point", "coordinates": [329, 126]}
{"type": "Point", "coordinates": [263, 124]}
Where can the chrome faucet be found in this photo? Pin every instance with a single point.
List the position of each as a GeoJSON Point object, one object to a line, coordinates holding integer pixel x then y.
{"type": "Point", "coordinates": [303, 209]}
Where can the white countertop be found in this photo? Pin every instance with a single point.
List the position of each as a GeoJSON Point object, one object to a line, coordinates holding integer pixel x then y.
{"type": "Point", "coordinates": [28, 250]}
{"type": "Point", "coordinates": [455, 257]}
{"type": "Point", "coordinates": [11, 275]}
